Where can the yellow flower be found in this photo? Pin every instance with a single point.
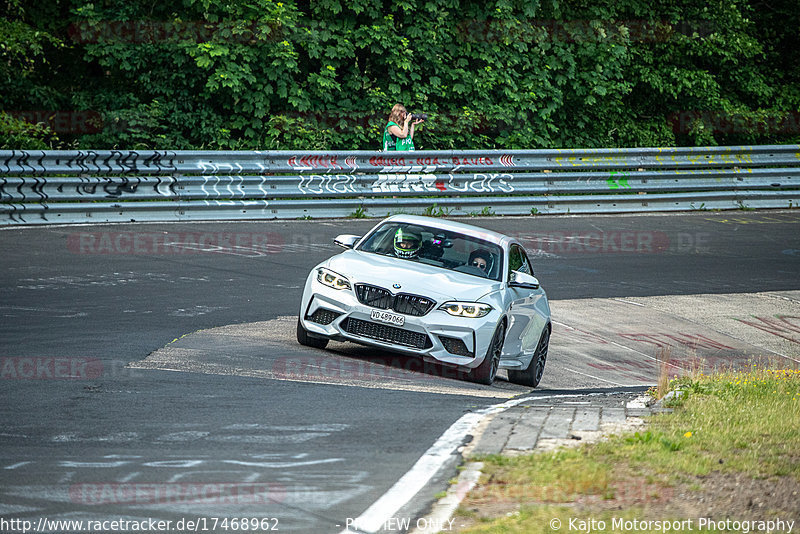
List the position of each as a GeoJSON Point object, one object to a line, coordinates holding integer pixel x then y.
{"type": "Point", "coordinates": [687, 435]}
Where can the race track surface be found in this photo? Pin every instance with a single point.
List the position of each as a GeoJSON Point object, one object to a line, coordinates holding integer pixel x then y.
{"type": "Point", "coordinates": [150, 372]}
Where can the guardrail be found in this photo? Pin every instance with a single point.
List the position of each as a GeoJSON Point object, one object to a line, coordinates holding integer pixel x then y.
{"type": "Point", "coordinates": [46, 187]}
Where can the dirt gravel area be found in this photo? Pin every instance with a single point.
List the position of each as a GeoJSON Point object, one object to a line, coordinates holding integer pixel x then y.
{"type": "Point", "coordinates": [717, 497]}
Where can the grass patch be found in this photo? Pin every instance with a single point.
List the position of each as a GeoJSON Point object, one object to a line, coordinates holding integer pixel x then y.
{"type": "Point", "coordinates": [437, 211]}
{"type": "Point", "coordinates": [736, 425]}
{"type": "Point", "coordinates": [359, 213]}
{"type": "Point", "coordinates": [746, 421]}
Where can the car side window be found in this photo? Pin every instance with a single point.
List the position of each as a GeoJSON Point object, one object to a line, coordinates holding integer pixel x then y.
{"type": "Point", "coordinates": [514, 259]}
{"type": "Point", "coordinates": [526, 264]}
{"type": "Point", "coordinates": [518, 261]}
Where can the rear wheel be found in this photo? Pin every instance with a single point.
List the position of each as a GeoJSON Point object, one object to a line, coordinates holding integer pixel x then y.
{"type": "Point", "coordinates": [486, 372]}
{"type": "Point", "coordinates": [305, 339]}
{"type": "Point", "coordinates": [533, 374]}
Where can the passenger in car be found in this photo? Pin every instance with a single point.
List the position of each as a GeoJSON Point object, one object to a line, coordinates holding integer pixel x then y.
{"type": "Point", "coordinates": [482, 259]}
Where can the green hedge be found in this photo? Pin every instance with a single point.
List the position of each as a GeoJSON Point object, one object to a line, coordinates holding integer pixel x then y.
{"type": "Point", "coordinates": [323, 74]}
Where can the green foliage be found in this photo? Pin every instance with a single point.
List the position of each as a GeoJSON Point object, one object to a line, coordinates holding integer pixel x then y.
{"type": "Point", "coordinates": [18, 134]}
{"type": "Point", "coordinates": [323, 75]}
{"type": "Point", "coordinates": [436, 211]}
{"type": "Point", "coordinates": [359, 213]}
{"type": "Point", "coordinates": [659, 438]}
{"type": "Point", "coordinates": [29, 53]}
{"type": "Point", "coordinates": [486, 211]}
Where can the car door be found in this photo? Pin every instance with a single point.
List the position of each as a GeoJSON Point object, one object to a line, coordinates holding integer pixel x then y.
{"type": "Point", "coordinates": [528, 309]}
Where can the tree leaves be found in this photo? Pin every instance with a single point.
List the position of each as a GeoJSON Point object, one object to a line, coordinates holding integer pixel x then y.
{"type": "Point", "coordinates": [508, 74]}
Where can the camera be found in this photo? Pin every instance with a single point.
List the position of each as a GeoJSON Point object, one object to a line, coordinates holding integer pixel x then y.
{"type": "Point", "coordinates": [419, 116]}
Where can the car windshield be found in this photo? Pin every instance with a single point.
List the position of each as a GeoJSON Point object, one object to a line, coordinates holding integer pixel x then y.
{"type": "Point", "coordinates": [437, 247]}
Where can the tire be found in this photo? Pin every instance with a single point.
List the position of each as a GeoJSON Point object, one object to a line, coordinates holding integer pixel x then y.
{"type": "Point", "coordinates": [307, 340]}
{"type": "Point", "coordinates": [486, 372]}
{"type": "Point", "coordinates": [533, 374]}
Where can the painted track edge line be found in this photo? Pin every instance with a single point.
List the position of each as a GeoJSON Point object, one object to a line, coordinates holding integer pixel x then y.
{"type": "Point", "coordinates": [373, 519]}
{"type": "Point", "coordinates": [443, 510]}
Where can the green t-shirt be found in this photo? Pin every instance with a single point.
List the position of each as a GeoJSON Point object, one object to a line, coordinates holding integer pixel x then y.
{"type": "Point", "coordinates": [392, 142]}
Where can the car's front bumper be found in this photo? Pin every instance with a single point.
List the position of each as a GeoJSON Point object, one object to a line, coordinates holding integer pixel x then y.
{"type": "Point", "coordinates": [437, 336]}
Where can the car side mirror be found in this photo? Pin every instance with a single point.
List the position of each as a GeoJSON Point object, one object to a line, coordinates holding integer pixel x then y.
{"type": "Point", "coordinates": [523, 280]}
{"type": "Point", "coordinates": [346, 240]}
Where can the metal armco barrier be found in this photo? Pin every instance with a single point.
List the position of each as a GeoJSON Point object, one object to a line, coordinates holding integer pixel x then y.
{"type": "Point", "coordinates": [47, 187]}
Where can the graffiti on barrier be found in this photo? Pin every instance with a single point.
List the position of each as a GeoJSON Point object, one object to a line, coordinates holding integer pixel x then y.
{"type": "Point", "coordinates": [39, 162]}
{"type": "Point", "coordinates": [23, 177]}
{"type": "Point", "coordinates": [318, 184]}
{"type": "Point", "coordinates": [307, 163]}
{"type": "Point", "coordinates": [408, 183]}
{"type": "Point", "coordinates": [431, 183]}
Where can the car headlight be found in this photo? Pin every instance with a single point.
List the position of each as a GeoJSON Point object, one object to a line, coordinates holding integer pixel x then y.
{"type": "Point", "coordinates": [466, 309]}
{"type": "Point", "coordinates": [332, 279]}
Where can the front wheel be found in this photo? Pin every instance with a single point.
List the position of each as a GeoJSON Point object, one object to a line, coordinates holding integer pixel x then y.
{"type": "Point", "coordinates": [486, 372]}
{"type": "Point", "coordinates": [305, 339]}
{"type": "Point", "coordinates": [533, 374]}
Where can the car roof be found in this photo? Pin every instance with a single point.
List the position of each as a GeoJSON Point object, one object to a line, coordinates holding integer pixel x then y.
{"type": "Point", "coordinates": [466, 229]}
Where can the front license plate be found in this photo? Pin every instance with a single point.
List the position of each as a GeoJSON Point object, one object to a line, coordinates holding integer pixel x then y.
{"type": "Point", "coordinates": [386, 317]}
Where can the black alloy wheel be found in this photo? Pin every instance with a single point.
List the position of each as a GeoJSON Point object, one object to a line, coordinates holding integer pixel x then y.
{"type": "Point", "coordinates": [486, 372]}
{"type": "Point", "coordinates": [532, 375]}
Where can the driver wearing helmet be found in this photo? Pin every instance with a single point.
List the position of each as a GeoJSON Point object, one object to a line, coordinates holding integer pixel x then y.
{"type": "Point", "coordinates": [407, 243]}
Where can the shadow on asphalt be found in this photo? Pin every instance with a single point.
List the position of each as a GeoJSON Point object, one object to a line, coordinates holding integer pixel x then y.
{"type": "Point", "coordinates": [406, 364]}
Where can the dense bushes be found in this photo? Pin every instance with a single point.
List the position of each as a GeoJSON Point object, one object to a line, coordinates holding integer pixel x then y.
{"type": "Point", "coordinates": [230, 74]}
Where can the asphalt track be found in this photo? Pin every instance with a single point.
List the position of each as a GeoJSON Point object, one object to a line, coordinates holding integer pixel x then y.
{"type": "Point", "coordinates": [148, 371]}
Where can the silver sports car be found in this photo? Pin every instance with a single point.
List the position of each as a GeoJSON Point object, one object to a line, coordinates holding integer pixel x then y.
{"type": "Point", "coordinates": [448, 292]}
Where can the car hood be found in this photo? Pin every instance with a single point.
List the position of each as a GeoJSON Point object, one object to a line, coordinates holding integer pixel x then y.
{"type": "Point", "coordinates": [433, 282]}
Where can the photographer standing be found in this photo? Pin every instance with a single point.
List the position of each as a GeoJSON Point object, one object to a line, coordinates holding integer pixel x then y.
{"type": "Point", "coordinates": [395, 137]}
